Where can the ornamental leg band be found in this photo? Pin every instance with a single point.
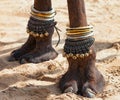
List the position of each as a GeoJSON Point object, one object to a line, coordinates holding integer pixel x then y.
{"type": "Point", "coordinates": [38, 28]}
{"type": "Point", "coordinates": [78, 48]}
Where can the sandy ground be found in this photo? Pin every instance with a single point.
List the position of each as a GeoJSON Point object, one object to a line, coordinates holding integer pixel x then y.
{"type": "Point", "coordinates": [40, 81]}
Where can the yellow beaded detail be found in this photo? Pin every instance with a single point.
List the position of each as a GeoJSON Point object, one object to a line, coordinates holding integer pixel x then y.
{"type": "Point", "coordinates": [76, 56]}
{"type": "Point", "coordinates": [46, 34]}
{"type": "Point", "coordinates": [37, 34]}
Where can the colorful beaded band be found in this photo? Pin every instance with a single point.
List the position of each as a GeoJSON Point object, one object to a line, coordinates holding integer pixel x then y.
{"type": "Point", "coordinates": [76, 56]}
{"type": "Point", "coordinates": [78, 48]}
{"type": "Point", "coordinates": [37, 34]}
{"type": "Point", "coordinates": [38, 28]}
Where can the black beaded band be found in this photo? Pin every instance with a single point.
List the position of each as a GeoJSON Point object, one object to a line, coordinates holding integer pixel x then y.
{"type": "Point", "coordinates": [78, 48]}
{"type": "Point", "coordinates": [39, 28]}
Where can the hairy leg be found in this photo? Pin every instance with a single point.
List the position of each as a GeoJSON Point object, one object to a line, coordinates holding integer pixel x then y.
{"type": "Point", "coordinates": [43, 50]}
{"type": "Point", "coordinates": [82, 76]}
{"type": "Point", "coordinates": [69, 81]}
{"type": "Point", "coordinates": [42, 29]}
{"type": "Point", "coordinates": [93, 79]}
{"type": "Point", "coordinates": [26, 48]}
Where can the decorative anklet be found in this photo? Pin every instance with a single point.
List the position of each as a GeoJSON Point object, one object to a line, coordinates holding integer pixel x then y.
{"type": "Point", "coordinates": [79, 32]}
{"type": "Point", "coordinates": [40, 22]}
{"type": "Point", "coordinates": [78, 42]}
{"type": "Point", "coordinates": [38, 28]}
{"type": "Point", "coordinates": [43, 15]}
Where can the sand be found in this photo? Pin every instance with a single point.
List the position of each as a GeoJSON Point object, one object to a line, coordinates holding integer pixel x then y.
{"type": "Point", "coordinates": [40, 81]}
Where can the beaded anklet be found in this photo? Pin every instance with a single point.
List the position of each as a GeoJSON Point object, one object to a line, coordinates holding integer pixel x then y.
{"type": "Point", "coordinates": [38, 28]}
{"type": "Point", "coordinates": [40, 21]}
{"type": "Point", "coordinates": [78, 42]}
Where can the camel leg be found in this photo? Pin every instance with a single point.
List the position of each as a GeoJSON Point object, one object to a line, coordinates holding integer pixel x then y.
{"type": "Point", "coordinates": [82, 77]}
{"type": "Point", "coordinates": [41, 28]}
